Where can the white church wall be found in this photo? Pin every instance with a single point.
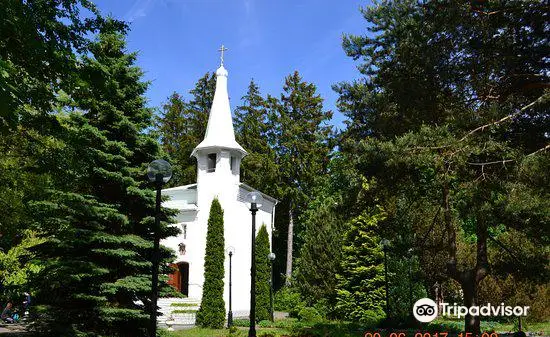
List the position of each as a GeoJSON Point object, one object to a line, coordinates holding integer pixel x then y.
{"type": "Point", "coordinates": [238, 234]}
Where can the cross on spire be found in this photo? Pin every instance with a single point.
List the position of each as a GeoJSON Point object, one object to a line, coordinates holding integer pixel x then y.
{"type": "Point", "coordinates": [222, 49]}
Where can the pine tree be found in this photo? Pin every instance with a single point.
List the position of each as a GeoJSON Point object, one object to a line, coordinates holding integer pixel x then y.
{"type": "Point", "coordinates": [212, 310]}
{"type": "Point", "coordinates": [361, 288]}
{"type": "Point", "coordinates": [263, 275]}
{"type": "Point", "coordinates": [182, 126]}
{"type": "Point", "coordinates": [455, 136]}
{"type": "Point", "coordinates": [99, 243]}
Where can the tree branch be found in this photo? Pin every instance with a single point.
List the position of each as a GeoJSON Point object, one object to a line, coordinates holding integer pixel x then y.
{"type": "Point", "coordinates": [504, 161]}
{"type": "Point", "coordinates": [483, 127]}
{"type": "Point", "coordinates": [539, 150]}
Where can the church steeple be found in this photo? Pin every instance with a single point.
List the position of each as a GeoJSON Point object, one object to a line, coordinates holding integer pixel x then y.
{"type": "Point", "coordinates": [219, 132]}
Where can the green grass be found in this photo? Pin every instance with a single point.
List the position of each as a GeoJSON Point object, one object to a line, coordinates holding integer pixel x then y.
{"type": "Point", "coordinates": [241, 332]}
{"type": "Point", "coordinates": [183, 305]}
{"type": "Point", "coordinates": [181, 311]}
{"type": "Point", "coordinates": [199, 332]}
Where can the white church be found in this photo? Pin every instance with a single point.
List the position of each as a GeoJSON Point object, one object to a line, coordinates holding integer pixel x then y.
{"type": "Point", "coordinates": [219, 158]}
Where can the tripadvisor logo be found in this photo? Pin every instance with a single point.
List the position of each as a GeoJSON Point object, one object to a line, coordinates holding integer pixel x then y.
{"type": "Point", "coordinates": [426, 310]}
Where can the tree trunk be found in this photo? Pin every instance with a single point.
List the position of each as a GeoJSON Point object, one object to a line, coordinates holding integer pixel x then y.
{"type": "Point", "coordinates": [469, 289]}
{"type": "Point", "coordinates": [468, 279]}
{"type": "Point", "coordinates": [289, 244]}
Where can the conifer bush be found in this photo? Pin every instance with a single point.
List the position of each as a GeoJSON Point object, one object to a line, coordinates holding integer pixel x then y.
{"type": "Point", "coordinates": [360, 291]}
{"type": "Point", "coordinates": [211, 313]}
{"type": "Point", "coordinates": [263, 275]}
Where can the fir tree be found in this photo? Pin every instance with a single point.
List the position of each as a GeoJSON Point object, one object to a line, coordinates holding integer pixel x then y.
{"type": "Point", "coordinates": [182, 126]}
{"type": "Point", "coordinates": [361, 288]}
{"type": "Point", "coordinates": [320, 254]}
{"type": "Point", "coordinates": [99, 244]}
{"type": "Point", "coordinates": [302, 142]}
{"type": "Point", "coordinates": [263, 275]}
{"type": "Point", "coordinates": [259, 167]}
{"type": "Point", "coordinates": [212, 310]}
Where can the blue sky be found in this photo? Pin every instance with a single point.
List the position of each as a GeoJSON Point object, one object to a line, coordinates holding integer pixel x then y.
{"type": "Point", "coordinates": [177, 41]}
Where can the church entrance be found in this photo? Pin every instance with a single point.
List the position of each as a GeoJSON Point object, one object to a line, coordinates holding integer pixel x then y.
{"type": "Point", "coordinates": [179, 279]}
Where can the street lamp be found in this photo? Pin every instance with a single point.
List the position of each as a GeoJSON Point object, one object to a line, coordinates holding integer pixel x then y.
{"type": "Point", "coordinates": [159, 172]}
{"type": "Point", "coordinates": [230, 251]}
{"type": "Point", "coordinates": [255, 199]}
{"type": "Point", "coordinates": [385, 243]}
{"type": "Point", "coordinates": [271, 258]}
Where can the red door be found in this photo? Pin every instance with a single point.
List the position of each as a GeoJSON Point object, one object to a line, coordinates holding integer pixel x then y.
{"type": "Point", "coordinates": [174, 279]}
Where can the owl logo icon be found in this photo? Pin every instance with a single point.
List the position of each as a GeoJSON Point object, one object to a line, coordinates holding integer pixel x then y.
{"type": "Point", "coordinates": [425, 310]}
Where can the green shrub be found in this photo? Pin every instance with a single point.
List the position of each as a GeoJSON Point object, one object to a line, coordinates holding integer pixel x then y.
{"type": "Point", "coordinates": [163, 333]}
{"type": "Point", "coordinates": [361, 284]}
{"type": "Point", "coordinates": [288, 300]}
{"type": "Point", "coordinates": [266, 334]}
{"type": "Point", "coordinates": [309, 314]}
{"type": "Point", "coordinates": [234, 332]}
{"type": "Point", "coordinates": [211, 313]}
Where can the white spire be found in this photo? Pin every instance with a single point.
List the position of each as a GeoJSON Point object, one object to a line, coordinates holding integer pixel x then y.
{"type": "Point", "coordinates": [219, 132]}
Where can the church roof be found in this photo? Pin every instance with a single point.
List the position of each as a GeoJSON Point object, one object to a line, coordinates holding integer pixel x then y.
{"type": "Point", "coordinates": [248, 188]}
{"type": "Point", "coordinates": [219, 132]}
{"type": "Point", "coordinates": [183, 198]}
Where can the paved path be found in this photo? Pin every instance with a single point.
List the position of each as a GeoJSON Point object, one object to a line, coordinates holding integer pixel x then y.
{"type": "Point", "coordinates": [4, 330]}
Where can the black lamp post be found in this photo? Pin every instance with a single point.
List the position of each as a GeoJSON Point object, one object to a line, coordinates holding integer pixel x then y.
{"type": "Point", "coordinates": [255, 199]}
{"type": "Point", "coordinates": [385, 243]}
{"type": "Point", "coordinates": [271, 257]}
{"type": "Point", "coordinates": [159, 172]}
{"type": "Point", "coordinates": [230, 251]}
{"type": "Point", "coordinates": [410, 251]}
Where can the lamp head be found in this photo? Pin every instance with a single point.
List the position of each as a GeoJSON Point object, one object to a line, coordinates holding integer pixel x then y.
{"type": "Point", "coordinates": [159, 171]}
{"type": "Point", "coordinates": [271, 256]}
{"type": "Point", "coordinates": [254, 198]}
{"type": "Point", "coordinates": [230, 250]}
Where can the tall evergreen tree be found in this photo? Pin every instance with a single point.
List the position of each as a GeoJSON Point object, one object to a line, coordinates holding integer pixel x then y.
{"type": "Point", "coordinates": [258, 168]}
{"type": "Point", "coordinates": [302, 140]}
{"type": "Point", "coordinates": [263, 275]}
{"type": "Point", "coordinates": [212, 310]}
{"type": "Point", "coordinates": [99, 229]}
{"type": "Point", "coordinates": [173, 128]}
{"type": "Point", "coordinates": [182, 126]}
{"type": "Point", "coordinates": [320, 254]}
{"type": "Point", "coordinates": [451, 114]}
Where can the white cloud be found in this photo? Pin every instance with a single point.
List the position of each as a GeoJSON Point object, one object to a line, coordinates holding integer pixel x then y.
{"type": "Point", "coordinates": [139, 9]}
